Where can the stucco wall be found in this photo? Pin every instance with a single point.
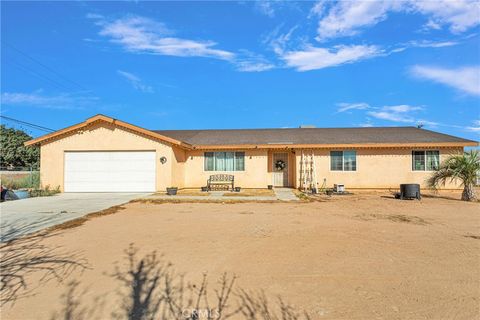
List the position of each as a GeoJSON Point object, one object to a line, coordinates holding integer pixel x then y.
{"type": "Point", "coordinates": [256, 173]}
{"type": "Point", "coordinates": [178, 167]}
{"type": "Point", "coordinates": [106, 137]}
{"type": "Point", "coordinates": [376, 168]}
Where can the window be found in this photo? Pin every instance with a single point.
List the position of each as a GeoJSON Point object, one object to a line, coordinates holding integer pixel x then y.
{"type": "Point", "coordinates": [433, 160]}
{"type": "Point", "coordinates": [418, 158]}
{"type": "Point", "coordinates": [349, 161]}
{"type": "Point", "coordinates": [336, 160]}
{"type": "Point", "coordinates": [239, 161]}
{"type": "Point", "coordinates": [343, 160]}
{"type": "Point", "coordinates": [224, 161]}
{"type": "Point", "coordinates": [425, 160]}
{"type": "Point", "coordinates": [209, 161]}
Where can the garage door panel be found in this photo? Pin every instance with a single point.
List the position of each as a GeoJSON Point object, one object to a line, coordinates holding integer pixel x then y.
{"type": "Point", "coordinates": [88, 187]}
{"type": "Point", "coordinates": [116, 171]}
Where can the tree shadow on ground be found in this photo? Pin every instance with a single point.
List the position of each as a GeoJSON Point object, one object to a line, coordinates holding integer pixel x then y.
{"type": "Point", "coordinates": [72, 308]}
{"type": "Point", "coordinates": [149, 288]}
{"type": "Point", "coordinates": [21, 256]}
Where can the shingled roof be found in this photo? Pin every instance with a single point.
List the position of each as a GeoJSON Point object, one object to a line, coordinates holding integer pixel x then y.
{"type": "Point", "coordinates": [314, 136]}
{"type": "Point", "coordinates": [278, 138]}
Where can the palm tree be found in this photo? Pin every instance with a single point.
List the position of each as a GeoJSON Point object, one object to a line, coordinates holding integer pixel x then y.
{"type": "Point", "coordinates": [461, 167]}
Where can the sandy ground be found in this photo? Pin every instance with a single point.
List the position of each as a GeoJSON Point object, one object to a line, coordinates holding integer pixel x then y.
{"type": "Point", "coordinates": [364, 256]}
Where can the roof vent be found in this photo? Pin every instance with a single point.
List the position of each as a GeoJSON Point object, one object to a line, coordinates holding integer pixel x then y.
{"type": "Point", "coordinates": [307, 126]}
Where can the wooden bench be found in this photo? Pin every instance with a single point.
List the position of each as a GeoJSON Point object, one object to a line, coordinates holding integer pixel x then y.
{"type": "Point", "coordinates": [221, 180]}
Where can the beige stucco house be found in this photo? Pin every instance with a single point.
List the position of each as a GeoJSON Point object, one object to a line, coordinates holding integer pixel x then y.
{"type": "Point", "coordinates": [103, 154]}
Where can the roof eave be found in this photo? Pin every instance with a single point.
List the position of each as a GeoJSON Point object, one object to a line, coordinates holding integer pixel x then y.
{"type": "Point", "coordinates": [343, 145]}
{"type": "Point", "coordinates": [104, 118]}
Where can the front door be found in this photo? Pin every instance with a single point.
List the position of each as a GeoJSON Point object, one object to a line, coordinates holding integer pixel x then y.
{"type": "Point", "coordinates": [280, 169]}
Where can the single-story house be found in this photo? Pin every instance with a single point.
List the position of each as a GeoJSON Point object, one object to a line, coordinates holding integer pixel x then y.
{"type": "Point", "coordinates": [103, 154]}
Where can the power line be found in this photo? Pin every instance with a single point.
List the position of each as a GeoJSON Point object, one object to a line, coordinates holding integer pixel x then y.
{"type": "Point", "coordinates": [45, 66]}
{"type": "Point", "coordinates": [34, 126]}
{"type": "Point", "coordinates": [38, 75]}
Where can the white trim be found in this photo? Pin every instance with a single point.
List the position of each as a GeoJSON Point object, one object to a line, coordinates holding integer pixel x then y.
{"type": "Point", "coordinates": [287, 171]}
{"type": "Point", "coordinates": [425, 157]}
{"type": "Point", "coordinates": [226, 171]}
{"type": "Point", "coordinates": [343, 160]}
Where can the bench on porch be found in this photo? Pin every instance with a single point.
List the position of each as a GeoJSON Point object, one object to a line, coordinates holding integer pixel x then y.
{"type": "Point", "coordinates": [220, 180]}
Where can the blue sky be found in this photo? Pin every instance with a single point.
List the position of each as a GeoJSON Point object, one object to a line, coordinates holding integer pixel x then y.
{"type": "Point", "coordinates": [190, 65]}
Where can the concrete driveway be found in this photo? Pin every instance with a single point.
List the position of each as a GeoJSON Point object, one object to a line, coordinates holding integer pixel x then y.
{"type": "Point", "coordinates": [25, 216]}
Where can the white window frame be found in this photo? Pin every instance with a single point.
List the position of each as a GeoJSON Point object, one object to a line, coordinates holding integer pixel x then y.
{"type": "Point", "coordinates": [343, 161]}
{"type": "Point", "coordinates": [425, 159]}
{"type": "Point", "coordinates": [234, 162]}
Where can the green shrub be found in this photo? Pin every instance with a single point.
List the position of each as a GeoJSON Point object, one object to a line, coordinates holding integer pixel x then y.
{"type": "Point", "coordinates": [45, 192]}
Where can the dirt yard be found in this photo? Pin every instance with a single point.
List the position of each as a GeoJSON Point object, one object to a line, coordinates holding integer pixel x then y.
{"type": "Point", "coordinates": [365, 256]}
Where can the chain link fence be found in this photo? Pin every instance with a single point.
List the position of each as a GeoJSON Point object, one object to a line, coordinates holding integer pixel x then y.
{"type": "Point", "coordinates": [15, 178]}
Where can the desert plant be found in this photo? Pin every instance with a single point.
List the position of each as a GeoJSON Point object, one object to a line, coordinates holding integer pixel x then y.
{"type": "Point", "coordinates": [45, 192]}
{"type": "Point", "coordinates": [460, 167]}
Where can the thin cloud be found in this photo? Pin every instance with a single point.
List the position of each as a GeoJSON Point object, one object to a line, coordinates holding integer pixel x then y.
{"type": "Point", "coordinates": [458, 15]}
{"type": "Point", "coordinates": [344, 106]}
{"type": "Point", "coordinates": [366, 125]}
{"type": "Point", "coordinates": [270, 8]}
{"type": "Point", "coordinates": [402, 108]}
{"type": "Point", "coordinates": [37, 99]}
{"type": "Point", "coordinates": [402, 113]}
{"type": "Point", "coordinates": [253, 66]}
{"type": "Point", "coordinates": [143, 35]}
{"type": "Point", "coordinates": [278, 41]}
{"type": "Point", "coordinates": [347, 18]}
{"type": "Point", "coordinates": [465, 79]}
{"type": "Point", "coordinates": [397, 113]}
{"type": "Point", "coordinates": [391, 116]}
{"type": "Point", "coordinates": [248, 61]}
{"type": "Point", "coordinates": [313, 58]}
{"type": "Point", "coordinates": [475, 127]}
{"type": "Point", "coordinates": [432, 44]}
{"type": "Point", "coordinates": [135, 81]}
{"type": "Point", "coordinates": [265, 7]}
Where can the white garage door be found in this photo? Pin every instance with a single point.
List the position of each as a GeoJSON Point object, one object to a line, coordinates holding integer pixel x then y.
{"type": "Point", "coordinates": [110, 171]}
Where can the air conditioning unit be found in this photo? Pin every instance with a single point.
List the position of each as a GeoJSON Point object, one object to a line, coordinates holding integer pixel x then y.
{"type": "Point", "coordinates": [339, 187]}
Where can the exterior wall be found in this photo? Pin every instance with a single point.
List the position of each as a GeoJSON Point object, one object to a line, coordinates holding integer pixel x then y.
{"type": "Point", "coordinates": [376, 168]}
{"type": "Point", "coordinates": [256, 174]}
{"type": "Point", "coordinates": [107, 137]}
{"type": "Point", "coordinates": [178, 167]}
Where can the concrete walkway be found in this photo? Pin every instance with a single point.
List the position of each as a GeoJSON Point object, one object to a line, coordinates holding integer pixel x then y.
{"type": "Point", "coordinates": [25, 216]}
{"type": "Point", "coordinates": [283, 194]}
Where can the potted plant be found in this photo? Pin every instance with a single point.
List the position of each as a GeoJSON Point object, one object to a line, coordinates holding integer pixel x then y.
{"type": "Point", "coordinates": [237, 189]}
{"type": "Point", "coordinates": [171, 191]}
{"type": "Point", "coordinates": [204, 189]}
{"type": "Point", "coordinates": [270, 187]}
